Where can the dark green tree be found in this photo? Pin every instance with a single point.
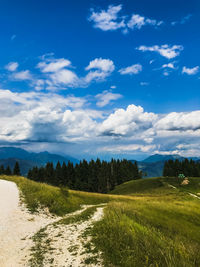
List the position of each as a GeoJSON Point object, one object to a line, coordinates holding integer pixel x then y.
{"type": "Point", "coordinates": [8, 171]}
{"type": "Point", "coordinates": [65, 175]}
{"type": "Point", "coordinates": [58, 175]}
{"type": "Point", "coordinates": [94, 176]}
{"type": "Point", "coordinates": [49, 173]}
{"type": "Point", "coordinates": [16, 170]}
{"type": "Point", "coordinates": [2, 170]}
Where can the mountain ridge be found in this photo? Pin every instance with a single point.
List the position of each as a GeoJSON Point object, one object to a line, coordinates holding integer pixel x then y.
{"type": "Point", "coordinates": [27, 160]}
{"type": "Point", "coordinates": [152, 166]}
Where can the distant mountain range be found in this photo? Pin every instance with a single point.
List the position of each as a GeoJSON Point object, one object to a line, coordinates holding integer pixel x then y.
{"type": "Point", "coordinates": [153, 165]}
{"type": "Point", "coordinates": [158, 157]}
{"type": "Point", "coordinates": [9, 156]}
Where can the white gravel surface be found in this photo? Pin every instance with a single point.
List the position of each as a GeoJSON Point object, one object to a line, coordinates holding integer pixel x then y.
{"type": "Point", "coordinates": [17, 226]}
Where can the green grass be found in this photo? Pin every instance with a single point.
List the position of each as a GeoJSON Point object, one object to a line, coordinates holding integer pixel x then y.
{"type": "Point", "coordinates": [159, 226]}
{"type": "Point", "coordinates": [146, 222]}
{"type": "Point", "coordinates": [156, 186]}
{"type": "Point", "coordinates": [83, 216]}
{"type": "Point", "coordinates": [39, 249]}
{"type": "Point", "coordinates": [193, 186]}
{"type": "Point", "coordinates": [127, 236]}
{"type": "Point", "coordinates": [58, 201]}
{"type": "Point", "coordinates": [138, 186]}
{"type": "Point", "coordinates": [42, 244]}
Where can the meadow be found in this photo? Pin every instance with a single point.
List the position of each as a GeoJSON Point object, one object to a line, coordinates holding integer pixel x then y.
{"type": "Point", "coordinates": [160, 226]}
{"type": "Point", "coordinates": [147, 222]}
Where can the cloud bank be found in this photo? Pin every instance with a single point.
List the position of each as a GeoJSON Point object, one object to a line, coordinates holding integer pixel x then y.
{"type": "Point", "coordinates": [36, 117]}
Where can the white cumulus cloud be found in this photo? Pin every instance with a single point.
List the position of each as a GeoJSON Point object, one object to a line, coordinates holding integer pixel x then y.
{"type": "Point", "coordinates": [190, 71]}
{"type": "Point", "coordinates": [137, 22]}
{"type": "Point", "coordinates": [134, 69]}
{"type": "Point", "coordinates": [107, 20]}
{"type": "Point", "coordinates": [57, 73]}
{"type": "Point", "coordinates": [164, 50]}
{"type": "Point", "coordinates": [105, 65]}
{"type": "Point", "coordinates": [35, 117]}
{"type": "Point", "coordinates": [99, 69]}
{"type": "Point", "coordinates": [180, 121]}
{"type": "Point", "coordinates": [22, 75]}
{"type": "Point", "coordinates": [65, 77]}
{"type": "Point", "coordinates": [126, 122]}
{"type": "Point", "coordinates": [169, 65]}
{"type": "Point", "coordinates": [12, 66]}
{"type": "Point", "coordinates": [110, 20]}
{"type": "Point", "coordinates": [106, 97]}
{"type": "Point", "coordinates": [47, 117]}
{"type": "Point", "coordinates": [53, 66]}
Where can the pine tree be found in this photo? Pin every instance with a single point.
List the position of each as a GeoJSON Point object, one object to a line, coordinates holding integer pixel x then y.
{"type": "Point", "coordinates": [65, 176]}
{"type": "Point", "coordinates": [95, 176]}
{"type": "Point", "coordinates": [16, 170]}
{"type": "Point", "coordinates": [49, 173]}
{"type": "Point", "coordinates": [41, 174]}
{"type": "Point", "coordinates": [71, 175]}
{"type": "Point", "coordinates": [30, 174]}
{"type": "Point", "coordinates": [2, 171]}
{"type": "Point", "coordinates": [35, 173]}
{"type": "Point", "coordinates": [58, 175]}
{"type": "Point", "coordinates": [8, 171]}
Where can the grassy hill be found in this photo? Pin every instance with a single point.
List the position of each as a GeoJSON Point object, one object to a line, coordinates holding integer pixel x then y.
{"type": "Point", "coordinates": [156, 186]}
{"type": "Point", "coordinates": [139, 186]}
{"type": "Point", "coordinates": [158, 227]}
{"type": "Point", "coordinates": [149, 222]}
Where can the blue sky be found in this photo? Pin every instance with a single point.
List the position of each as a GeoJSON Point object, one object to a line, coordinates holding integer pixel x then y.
{"type": "Point", "coordinates": [101, 78]}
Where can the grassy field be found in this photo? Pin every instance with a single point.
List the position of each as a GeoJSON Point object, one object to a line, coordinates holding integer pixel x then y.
{"type": "Point", "coordinates": [59, 201]}
{"type": "Point", "coordinates": [159, 227]}
{"type": "Point", "coordinates": [146, 222]}
{"type": "Point", "coordinates": [154, 186]}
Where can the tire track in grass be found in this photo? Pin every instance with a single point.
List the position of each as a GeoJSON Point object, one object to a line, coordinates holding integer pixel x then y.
{"type": "Point", "coordinates": [63, 243]}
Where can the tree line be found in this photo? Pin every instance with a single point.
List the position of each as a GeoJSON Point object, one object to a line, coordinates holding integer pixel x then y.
{"type": "Point", "coordinates": [94, 176]}
{"type": "Point", "coordinates": [187, 167]}
{"type": "Point", "coordinates": [8, 171]}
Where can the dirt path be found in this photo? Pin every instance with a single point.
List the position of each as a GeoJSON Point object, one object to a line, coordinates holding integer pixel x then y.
{"type": "Point", "coordinates": [191, 194]}
{"type": "Point", "coordinates": [69, 243]}
{"type": "Point", "coordinates": [18, 227]}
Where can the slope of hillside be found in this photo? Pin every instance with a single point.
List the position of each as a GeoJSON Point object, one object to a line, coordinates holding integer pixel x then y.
{"type": "Point", "coordinates": [140, 186]}
{"type": "Point", "coordinates": [154, 186]}
{"type": "Point", "coordinates": [154, 223]}
{"type": "Point", "coordinates": [159, 227]}
{"type": "Point", "coordinates": [26, 239]}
